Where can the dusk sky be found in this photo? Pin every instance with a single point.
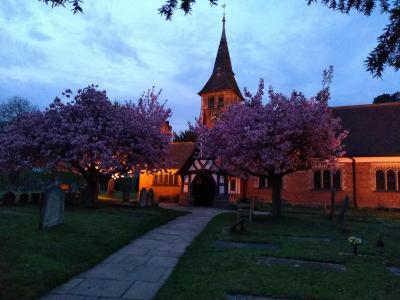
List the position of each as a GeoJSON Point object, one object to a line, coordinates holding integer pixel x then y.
{"type": "Point", "coordinates": [125, 46]}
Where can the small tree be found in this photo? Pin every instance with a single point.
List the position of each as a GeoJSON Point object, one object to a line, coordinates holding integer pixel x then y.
{"type": "Point", "coordinates": [387, 98]}
{"type": "Point", "coordinates": [90, 135]}
{"type": "Point", "coordinates": [13, 108]}
{"type": "Point", "coordinates": [285, 135]}
{"type": "Point", "coordinates": [187, 135]}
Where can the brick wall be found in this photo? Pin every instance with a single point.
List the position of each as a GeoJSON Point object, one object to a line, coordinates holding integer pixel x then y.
{"type": "Point", "coordinates": [298, 189]}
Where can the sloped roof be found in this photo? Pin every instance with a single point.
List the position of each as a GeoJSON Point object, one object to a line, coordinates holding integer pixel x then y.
{"type": "Point", "coordinates": [178, 153]}
{"type": "Point", "coordinates": [222, 77]}
{"type": "Point", "coordinates": [374, 129]}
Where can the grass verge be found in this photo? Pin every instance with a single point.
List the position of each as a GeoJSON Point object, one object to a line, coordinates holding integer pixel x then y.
{"type": "Point", "coordinates": [32, 262]}
{"type": "Point", "coordinates": [207, 271]}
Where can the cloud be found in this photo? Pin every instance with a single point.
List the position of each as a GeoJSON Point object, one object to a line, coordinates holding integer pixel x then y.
{"type": "Point", "coordinates": [126, 47]}
{"type": "Point", "coordinates": [38, 35]}
{"type": "Point", "coordinates": [18, 52]}
{"type": "Point", "coordinates": [12, 10]}
{"type": "Point", "coordinates": [110, 42]}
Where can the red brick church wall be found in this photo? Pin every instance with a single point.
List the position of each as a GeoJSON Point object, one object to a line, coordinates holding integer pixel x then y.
{"type": "Point", "coordinates": [298, 189]}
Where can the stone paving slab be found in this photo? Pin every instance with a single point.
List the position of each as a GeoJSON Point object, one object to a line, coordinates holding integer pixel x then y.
{"type": "Point", "coordinates": [325, 266]}
{"type": "Point", "coordinates": [138, 270]}
{"type": "Point", "coordinates": [394, 270]}
{"type": "Point", "coordinates": [243, 245]}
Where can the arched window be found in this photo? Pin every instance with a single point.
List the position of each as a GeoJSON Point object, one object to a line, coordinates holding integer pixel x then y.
{"type": "Point", "coordinates": [326, 179]}
{"type": "Point", "coordinates": [211, 102]}
{"type": "Point", "coordinates": [380, 180]}
{"type": "Point", "coordinates": [221, 101]}
{"type": "Point", "coordinates": [391, 180]}
{"type": "Point", "coordinates": [317, 180]}
{"type": "Point", "coordinates": [336, 180]}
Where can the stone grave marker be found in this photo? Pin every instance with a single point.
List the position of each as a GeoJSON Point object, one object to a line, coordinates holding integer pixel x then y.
{"type": "Point", "coordinates": [35, 198]}
{"type": "Point", "coordinates": [52, 207]}
{"type": "Point", "coordinates": [143, 198]}
{"type": "Point", "coordinates": [333, 202]}
{"type": "Point", "coordinates": [9, 198]}
{"type": "Point", "coordinates": [111, 187]}
{"type": "Point", "coordinates": [340, 220]}
{"type": "Point", "coordinates": [23, 199]}
{"type": "Point", "coordinates": [150, 197]}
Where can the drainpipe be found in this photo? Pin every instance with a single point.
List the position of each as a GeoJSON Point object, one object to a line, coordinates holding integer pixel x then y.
{"type": "Point", "coordinates": [354, 181]}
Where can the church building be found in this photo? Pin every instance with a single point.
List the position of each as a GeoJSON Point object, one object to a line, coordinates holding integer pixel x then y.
{"type": "Point", "coordinates": [369, 173]}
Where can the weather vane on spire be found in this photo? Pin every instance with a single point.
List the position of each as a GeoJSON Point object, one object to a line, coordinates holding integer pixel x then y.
{"type": "Point", "coordinates": [224, 6]}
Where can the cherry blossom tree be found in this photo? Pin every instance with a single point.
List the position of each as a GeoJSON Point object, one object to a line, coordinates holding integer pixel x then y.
{"type": "Point", "coordinates": [90, 135]}
{"type": "Point", "coordinates": [285, 135]}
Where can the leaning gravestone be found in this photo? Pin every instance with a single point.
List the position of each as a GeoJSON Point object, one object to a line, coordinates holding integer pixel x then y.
{"type": "Point", "coordinates": [52, 207]}
{"type": "Point", "coordinates": [9, 198]}
{"type": "Point", "coordinates": [143, 198]}
{"type": "Point", "coordinates": [150, 197]}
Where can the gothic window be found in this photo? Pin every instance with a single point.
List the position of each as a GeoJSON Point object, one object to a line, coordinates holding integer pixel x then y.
{"type": "Point", "coordinates": [221, 101]}
{"type": "Point", "coordinates": [391, 180]}
{"type": "Point", "coordinates": [337, 180]}
{"type": "Point", "coordinates": [165, 180]}
{"type": "Point", "coordinates": [262, 182]}
{"type": "Point", "coordinates": [211, 102]}
{"type": "Point", "coordinates": [398, 179]}
{"type": "Point", "coordinates": [380, 180]}
{"type": "Point", "coordinates": [317, 180]}
{"type": "Point", "coordinates": [232, 184]}
{"type": "Point", "coordinates": [326, 179]}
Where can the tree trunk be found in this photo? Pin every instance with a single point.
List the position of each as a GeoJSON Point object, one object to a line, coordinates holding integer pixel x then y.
{"type": "Point", "coordinates": [276, 185]}
{"type": "Point", "coordinates": [92, 191]}
{"type": "Point", "coordinates": [245, 189]}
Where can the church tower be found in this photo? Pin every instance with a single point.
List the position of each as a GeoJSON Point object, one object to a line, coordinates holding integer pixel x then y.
{"type": "Point", "coordinates": [221, 90]}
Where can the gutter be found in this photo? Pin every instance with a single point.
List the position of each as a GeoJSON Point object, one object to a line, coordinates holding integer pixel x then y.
{"type": "Point", "coordinates": [354, 180]}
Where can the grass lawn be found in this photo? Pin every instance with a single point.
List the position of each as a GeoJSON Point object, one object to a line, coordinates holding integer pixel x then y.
{"type": "Point", "coordinates": [32, 262]}
{"type": "Point", "coordinates": [207, 271]}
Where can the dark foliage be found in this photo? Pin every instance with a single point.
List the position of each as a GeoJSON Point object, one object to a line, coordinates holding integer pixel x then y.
{"type": "Point", "coordinates": [170, 6]}
{"type": "Point", "coordinates": [387, 52]}
{"type": "Point", "coordinates": [185, 136]}
{"type": "Point", "coordinates": [386, 98]}
{"type": "Point", "coordinates": [76, 4]}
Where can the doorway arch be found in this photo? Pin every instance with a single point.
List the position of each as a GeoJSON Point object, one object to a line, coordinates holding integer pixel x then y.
{"type": "Point", "coordinates": [203, 190]}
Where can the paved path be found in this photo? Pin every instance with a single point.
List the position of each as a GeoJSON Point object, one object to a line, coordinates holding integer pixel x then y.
{"type": "Point", "coordinates": [138, 270]}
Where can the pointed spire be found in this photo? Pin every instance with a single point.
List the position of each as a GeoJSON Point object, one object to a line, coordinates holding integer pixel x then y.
{"type": "Point", "coordinates": [222, 77]}
{"type": "Point", "coordinates": [223, 59]}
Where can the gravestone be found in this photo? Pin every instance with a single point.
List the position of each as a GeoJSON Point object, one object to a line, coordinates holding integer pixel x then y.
{"type": "Point", "coordinates": [111, 187]}
{"type": "Point", "coordinates": [143, 198]}
{"type": "Point", "coordinates": [52, 207]}
{"type": "Point", "coordinates": [23, 199]}
{"type": "Point", "coordinates": [343, 210]}
{"type": "Point", "coordinates": [9, 198]}
{"type": "Point", "coordinates": [333, 203]}
{"type": "Point", "coordinates": [73, 199]}
{"type": "Point", "coordinates": [150, 197]}
{"type": "Point", "coordinates": [35, 198]}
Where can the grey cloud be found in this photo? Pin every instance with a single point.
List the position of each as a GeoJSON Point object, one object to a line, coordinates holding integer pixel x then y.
{"type": "Point", "coordinates": [103, 36]}
{"type": "Point", "coordinates": [38, 35]}
{"type": "Point", "coordinates": [18, 53]}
